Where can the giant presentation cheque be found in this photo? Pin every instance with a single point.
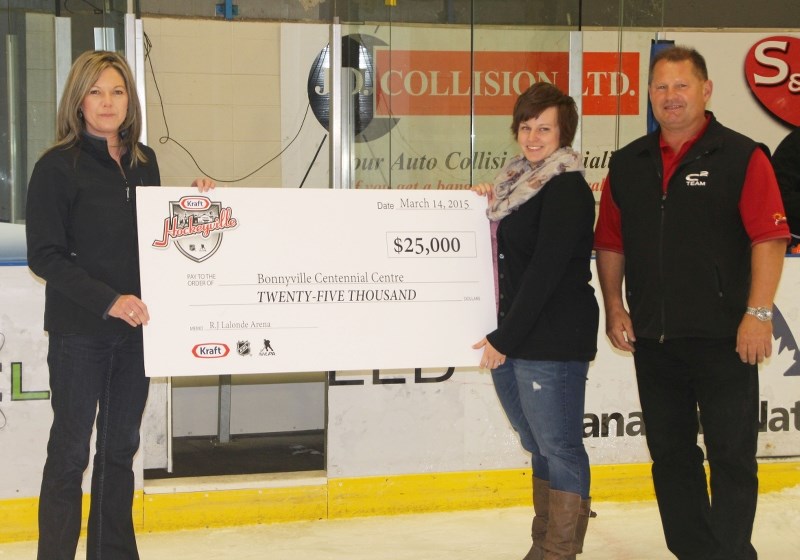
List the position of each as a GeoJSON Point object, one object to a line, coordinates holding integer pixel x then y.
{"type": "Point", "coordinates": [243, 280]}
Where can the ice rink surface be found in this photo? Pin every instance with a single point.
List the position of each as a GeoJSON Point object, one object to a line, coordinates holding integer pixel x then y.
{"type": "Point", "coordinates": [621, 531]}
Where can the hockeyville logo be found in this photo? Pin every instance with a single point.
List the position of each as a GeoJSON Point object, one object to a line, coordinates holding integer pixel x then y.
{"type": "Point", "coordinates": [196, 224]}
{"type": "Point", "coordinates": [386, 83]}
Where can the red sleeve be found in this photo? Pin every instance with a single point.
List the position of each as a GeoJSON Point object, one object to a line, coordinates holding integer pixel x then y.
{"type": "Point", "coordinates": [608, 232]}
{"type": "Point", "coordinates": [761, 206]}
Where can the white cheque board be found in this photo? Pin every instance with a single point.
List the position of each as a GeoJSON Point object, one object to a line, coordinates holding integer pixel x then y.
{"type": "Point", "coordinates": [244, 280]}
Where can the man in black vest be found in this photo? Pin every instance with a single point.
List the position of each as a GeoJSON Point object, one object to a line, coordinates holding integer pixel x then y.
{"type": "Point", "coordinates": [691, 217]}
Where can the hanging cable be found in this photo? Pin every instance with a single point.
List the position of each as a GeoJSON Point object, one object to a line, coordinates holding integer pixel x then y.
{"type": "Point", "coordinates": [167, 138]}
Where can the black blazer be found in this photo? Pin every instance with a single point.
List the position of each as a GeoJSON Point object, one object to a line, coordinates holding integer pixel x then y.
{"type": "Point", "coordinates": [547, 308]}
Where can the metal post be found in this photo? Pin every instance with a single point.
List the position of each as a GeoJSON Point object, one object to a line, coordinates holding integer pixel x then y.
{"type": "Point", "coordinates": [346, 122]}
{"type": "Point", "coordinates": [224, 416]}
{"type": "Point", "coordinates": [134, 53]}
{"type": "Point", "coordinates": [334, 77]}
{"type": "Point", "coordinates": [63, 40]}
{"type": "Point", "coordinates": [104, 39]}
{"type": "Point", "coordinates": [169, 424]}
{"type": "Point", "coordinates": [14, 165]}
{"type": "Point", "coordinates": [576, 81]}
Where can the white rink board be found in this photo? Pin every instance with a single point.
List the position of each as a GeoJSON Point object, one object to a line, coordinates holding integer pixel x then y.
{"type": "Point", "coordinates": [377, 426]}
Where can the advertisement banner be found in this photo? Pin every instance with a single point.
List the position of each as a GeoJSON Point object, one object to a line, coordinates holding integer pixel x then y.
{"type": "Point", "coordinates": [432, 420]}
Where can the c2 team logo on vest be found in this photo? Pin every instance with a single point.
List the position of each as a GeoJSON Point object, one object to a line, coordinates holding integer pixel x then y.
{"type": "Point", "coordinates": [196, 225]}
{"type": "Point", "coordinates": [696, 179]}
{"type": "Point", "coordinates": [358, 61]}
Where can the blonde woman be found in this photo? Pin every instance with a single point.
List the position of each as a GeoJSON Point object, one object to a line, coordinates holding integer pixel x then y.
{"type": "Point", "coordinates": [81, 237]}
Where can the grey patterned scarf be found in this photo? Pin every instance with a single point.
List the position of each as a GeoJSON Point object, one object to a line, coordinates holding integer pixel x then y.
{"type": "Point", "coordinates": [521, 180]}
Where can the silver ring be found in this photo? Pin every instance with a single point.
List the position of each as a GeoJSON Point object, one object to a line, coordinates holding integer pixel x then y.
{"type": "Point", "coordinates": [131, 314]}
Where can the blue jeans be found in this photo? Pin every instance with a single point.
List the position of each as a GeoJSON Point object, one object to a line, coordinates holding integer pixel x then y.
{"type": "Point", "coordinates": [87, 371]}
{"type": "Point", "coordinates": [544, 403]}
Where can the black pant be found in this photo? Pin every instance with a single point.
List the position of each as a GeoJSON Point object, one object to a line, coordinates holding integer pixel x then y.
{"type": "Point", "coordinates": [677, 378]}
{"type": "Point", "coordinates": [89, 374]}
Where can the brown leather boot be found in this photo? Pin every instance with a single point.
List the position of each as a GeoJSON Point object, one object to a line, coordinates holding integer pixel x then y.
{"type": "Point", "coordinates": [541, 504]}
{"type": "Point", "coordinates": [562, 526]}
{"type": "Point", "coordinates": [583, 523]}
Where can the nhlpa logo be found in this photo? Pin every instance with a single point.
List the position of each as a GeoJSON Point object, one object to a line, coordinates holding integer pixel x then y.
{"type": "Point", "coordinates": [696, 179]}
{"type": "Point", "coordinates": [196, 224]}
{"type": "Point", "coordinates": [267, 349]}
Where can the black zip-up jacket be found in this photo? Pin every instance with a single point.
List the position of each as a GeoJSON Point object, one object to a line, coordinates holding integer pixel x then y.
{"type": "Point", "coordinates": [548, 310]}
{"type": "Point", "coordinates": [81, 233]}
{"type": "Point", "coordinates": [687, 253]}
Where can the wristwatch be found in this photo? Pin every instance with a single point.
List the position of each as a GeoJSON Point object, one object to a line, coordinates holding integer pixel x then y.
{"type": "Point", "coordinates": [760, 313]}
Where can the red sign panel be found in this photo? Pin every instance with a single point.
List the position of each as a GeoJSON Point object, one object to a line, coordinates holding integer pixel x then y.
{"type": "Point", "coordinates": [441, 82]}
{"type": "Point", "coordinates": [772, 69]}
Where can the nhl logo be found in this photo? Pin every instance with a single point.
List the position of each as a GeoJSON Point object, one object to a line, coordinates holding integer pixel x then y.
{"type": "Point", "coordinates": [243, 347]}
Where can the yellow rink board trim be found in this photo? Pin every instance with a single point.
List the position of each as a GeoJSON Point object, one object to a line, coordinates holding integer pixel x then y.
{"type": "Point", "coordinates": [19, 517]}
{"type": "Point", "coordinates": [192, 510]}
{"type": "Point", "coordinates": [353, 497]}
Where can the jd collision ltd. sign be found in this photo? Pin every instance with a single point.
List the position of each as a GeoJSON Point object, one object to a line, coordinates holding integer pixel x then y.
{"type": "Point", "coordinates": [388, 84]}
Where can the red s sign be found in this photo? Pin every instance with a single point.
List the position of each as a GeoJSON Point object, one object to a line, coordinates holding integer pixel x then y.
{"type": "Point", "coordinates": [772, 69]}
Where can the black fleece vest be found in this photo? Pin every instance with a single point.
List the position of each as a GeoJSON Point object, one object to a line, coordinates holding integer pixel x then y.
{"type": "Point", "coordinates": [687, 254]}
